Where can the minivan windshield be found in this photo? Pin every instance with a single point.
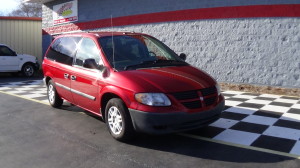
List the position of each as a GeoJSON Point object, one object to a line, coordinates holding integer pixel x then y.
{"type": "Point", "coordinates": [127, 52]}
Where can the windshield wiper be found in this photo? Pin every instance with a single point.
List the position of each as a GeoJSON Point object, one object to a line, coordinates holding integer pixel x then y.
{"type": "Point", "coordinates": [140, 64]}
{"type": "Point", "coordinates": [152, 62]}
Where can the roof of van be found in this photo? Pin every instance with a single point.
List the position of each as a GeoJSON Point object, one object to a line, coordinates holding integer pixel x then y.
{"type": "Point", "coordinates": [100, 34]}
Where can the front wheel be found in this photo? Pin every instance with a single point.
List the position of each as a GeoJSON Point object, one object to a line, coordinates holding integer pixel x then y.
{"type": "Point", "coordinates": [53, 97]}
{"type": "Point", "coordinates": [28, 70]}
{"type": "Point", "coordinates": [118, 120]}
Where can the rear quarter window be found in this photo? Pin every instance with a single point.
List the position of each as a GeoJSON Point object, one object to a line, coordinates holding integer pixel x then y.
{"type": "Point", "coordinates": [63, 49]}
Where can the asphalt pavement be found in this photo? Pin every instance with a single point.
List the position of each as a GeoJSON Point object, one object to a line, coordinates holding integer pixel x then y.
{"type": "Point", "coordinates": [33, 134]}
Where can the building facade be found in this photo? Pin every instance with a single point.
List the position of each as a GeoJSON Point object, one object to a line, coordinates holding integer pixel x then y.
{"type": "Point", "coordinates": [242, 42]}
{"type": "Point", "coordinates": [22, 34]}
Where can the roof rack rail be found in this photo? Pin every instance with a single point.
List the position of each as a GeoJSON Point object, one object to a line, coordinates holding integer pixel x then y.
{"type": "Point", "coordinates": [69, 32]}
{"type": "Point", "coordinates": [128, 32]}
{"type": "Point", "coordinates": [90, 31]}
{"type": "Point", "coordinates": [121, 31]}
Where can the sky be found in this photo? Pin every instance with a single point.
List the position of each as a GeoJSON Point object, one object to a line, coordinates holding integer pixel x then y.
{"type": "Point", "coordinates": [8, 5]}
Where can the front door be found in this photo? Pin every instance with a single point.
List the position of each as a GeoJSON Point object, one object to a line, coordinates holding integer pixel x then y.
{"type": "Point", "coordinates": [86, 82]}
{"type": "Point", "coordinates": [9, 60]}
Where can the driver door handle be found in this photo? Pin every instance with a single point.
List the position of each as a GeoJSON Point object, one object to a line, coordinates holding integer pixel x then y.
{"type": "Point", "coordinates": [73, 77]}
{"type": "Point", "coordinates": [66, 76]}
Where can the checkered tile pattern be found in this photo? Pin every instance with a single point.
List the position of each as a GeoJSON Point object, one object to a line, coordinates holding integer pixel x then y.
{"type": "Point", "coordinates": [259, 120]}
{"type": "Point", "coordinates": [34, 89]}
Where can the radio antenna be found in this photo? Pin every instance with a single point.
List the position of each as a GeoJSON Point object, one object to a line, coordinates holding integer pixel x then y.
{"type": "Point", "coordinates": [112, 41]}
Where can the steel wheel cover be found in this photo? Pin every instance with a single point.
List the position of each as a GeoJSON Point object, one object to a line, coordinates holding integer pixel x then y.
{"type": "Point", "coordinates": [51, 93]}
{"type": "Point", "coordinates": [115, 121]}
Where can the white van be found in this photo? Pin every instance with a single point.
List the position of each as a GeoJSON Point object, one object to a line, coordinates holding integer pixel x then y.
{"type": "Point", "coordinates": [12, 62]}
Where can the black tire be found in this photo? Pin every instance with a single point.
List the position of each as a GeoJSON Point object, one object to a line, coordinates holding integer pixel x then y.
{"type": "Point", "coordinates": [28, 70]}
{"type": "Point", "coordinates": [118, 120]}
{"type": "Point", "coordinates": [53, 97]}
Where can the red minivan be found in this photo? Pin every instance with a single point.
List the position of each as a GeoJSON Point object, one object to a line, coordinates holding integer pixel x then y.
{"type": "Point", "coordinates": [132, 80]}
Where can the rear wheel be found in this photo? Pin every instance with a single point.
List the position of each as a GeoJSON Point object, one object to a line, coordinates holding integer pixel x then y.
{"type": "Point", "coordinates": [53, 97]}
{"type": "Point", "coordinates": [118, 120]}
{"type": "Point", "coordinates": [28, 70]}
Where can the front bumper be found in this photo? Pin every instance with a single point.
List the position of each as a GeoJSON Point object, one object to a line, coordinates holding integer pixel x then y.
{"type": "Point", "coordinates": [162, 123]}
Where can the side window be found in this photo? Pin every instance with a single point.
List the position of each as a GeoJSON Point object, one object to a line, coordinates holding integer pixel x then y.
{"type": "Point", "coordinates": [56, 44]}
{"type": "Point", "coordinates": [87, 49]}
{"type": "Point", "coordinates": [5, 51]}
{"type": "Point", "coordinates": [63, 49]}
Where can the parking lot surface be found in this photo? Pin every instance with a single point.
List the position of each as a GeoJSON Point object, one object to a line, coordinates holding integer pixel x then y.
{"type": "Point", "coordinates": [254, 129]}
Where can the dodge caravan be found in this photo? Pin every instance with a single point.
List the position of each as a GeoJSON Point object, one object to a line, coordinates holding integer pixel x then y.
{"type": "Point", "coordinates": [132, 80]}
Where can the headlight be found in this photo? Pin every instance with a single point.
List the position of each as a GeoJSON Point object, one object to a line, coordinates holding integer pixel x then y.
{"type": "Point", "coordinates": [153, 99]}
{"type": "Point", "coordinates": [218, 89]}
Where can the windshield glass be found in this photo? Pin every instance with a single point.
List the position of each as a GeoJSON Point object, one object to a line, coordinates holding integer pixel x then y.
{"type": "Point", "coordinates": [137, 51]}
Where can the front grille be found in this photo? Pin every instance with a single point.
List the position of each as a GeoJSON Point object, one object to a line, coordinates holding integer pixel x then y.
{"type": "Point", "coordinates": [208, 91]}
{"type": "Point", "coordinates": [192, 104]}
{"type": "Point", "coordinates": [210, 101]}
{"type": "Point", "coordinates": [186, 95]}
{"type": "Point", "coordinates": [191, 99]}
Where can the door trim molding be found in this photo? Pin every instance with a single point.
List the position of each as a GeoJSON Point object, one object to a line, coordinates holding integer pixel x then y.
{"type": "Point", "coordinates": [76, 92]}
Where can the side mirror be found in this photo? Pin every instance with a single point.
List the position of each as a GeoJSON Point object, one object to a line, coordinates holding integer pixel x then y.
{"type": "Point", "coordinates": [90, 63]}
{"type": "Point", "coordinates": [15, 53]}
{"type": "Point", "coordinates": [182, 56]}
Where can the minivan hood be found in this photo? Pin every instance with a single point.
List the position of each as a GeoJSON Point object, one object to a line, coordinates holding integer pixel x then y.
{"type": "Point", "coordinates": [168, 79]}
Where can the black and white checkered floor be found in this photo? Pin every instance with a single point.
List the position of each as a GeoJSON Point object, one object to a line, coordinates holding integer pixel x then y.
{"type": "Point", "coordinates": [259, 120]}
{"type": "Point", "coordinates": [34, 89]}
